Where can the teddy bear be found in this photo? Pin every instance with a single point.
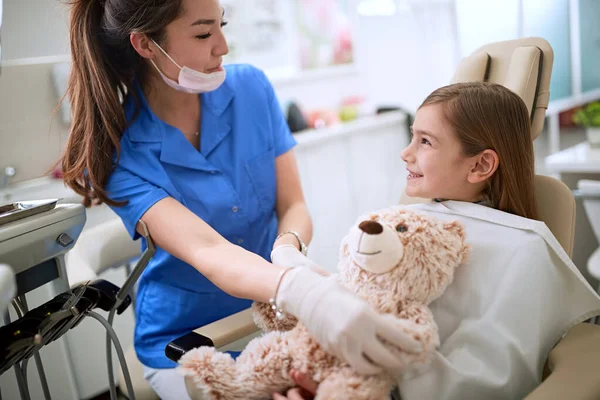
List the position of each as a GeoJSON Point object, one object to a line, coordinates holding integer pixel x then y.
{"type": "Point", "coordinates": [396, 259]}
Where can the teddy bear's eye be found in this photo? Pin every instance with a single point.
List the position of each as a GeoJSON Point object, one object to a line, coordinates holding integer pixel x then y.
{"type": "Point", "coordinates": [401, 228]}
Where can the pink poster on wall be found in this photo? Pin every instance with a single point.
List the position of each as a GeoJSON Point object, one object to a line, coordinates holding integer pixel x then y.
{"type": "Point", "coordinates": [323, 33]}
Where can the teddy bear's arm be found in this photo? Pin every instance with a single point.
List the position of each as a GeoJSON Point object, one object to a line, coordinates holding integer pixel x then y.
{"type": "Point", "coordinates": [417, 321]}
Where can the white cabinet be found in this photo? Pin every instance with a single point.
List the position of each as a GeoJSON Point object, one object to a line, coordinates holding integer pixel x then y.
{"type": "Point", "coordinates": [349, 170]}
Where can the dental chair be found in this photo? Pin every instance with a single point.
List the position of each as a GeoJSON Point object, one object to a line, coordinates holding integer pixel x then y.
{"type": "Point", "coordinates": [105, 246]}
{"type": "Point", "coordinates": [589, 191]}
{"type": "Point", "coordinates": [8, 288]}
{"type": "Point", "coordinates": [524, 66]}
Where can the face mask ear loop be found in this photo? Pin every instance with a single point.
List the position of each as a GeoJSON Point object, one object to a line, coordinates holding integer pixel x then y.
{"type": "Point", "coordinates": [165, 53]}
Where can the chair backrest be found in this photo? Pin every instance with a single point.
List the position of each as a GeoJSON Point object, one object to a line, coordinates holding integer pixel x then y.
{"type": "Point", "coordinates": [522, 65]}
{"type": "Point", "coordinates": [525, 67]}
{"type": "Point", "coordinates": [107, 245]}
{"type": "Point", "coordinates": [556, 206]}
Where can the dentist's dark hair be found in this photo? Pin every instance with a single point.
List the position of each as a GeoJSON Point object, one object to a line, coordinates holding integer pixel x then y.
{"type": "Point", "coordinates": [104, 65]}
{"type": "Point", "coordinates": [489, 116]}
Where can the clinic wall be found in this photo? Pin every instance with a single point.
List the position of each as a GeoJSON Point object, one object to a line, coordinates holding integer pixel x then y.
{"type": "Point", "coordinates": [34, 28]}
{"type": "Point", "coordinates": [393, 67]}
{"type": "Point", "coordinates": [31, 138]}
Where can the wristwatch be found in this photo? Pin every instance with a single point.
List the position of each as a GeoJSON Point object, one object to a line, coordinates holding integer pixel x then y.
{"type": "Point", "coordinates": [303, 247]}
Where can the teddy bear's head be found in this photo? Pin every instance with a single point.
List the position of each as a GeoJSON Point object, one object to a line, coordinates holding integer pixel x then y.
{"type": "Point", "coordinates": [396, 255]}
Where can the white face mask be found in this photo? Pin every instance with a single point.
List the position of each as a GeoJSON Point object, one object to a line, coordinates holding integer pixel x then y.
{"type": "Point", "coordinates": [192, 81]}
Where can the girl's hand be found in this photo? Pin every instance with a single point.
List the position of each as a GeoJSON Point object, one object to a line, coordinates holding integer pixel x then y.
{"type": "Point", "coordinates": [306, 390]}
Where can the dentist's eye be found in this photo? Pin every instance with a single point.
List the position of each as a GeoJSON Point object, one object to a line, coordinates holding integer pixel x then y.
{"type": "Point", "coordinates": [205, 36]}
{"type": "Point", "coordinates": [425, 141]}
{"type": "Point", "coordinates": [224, 23]}
{"type": "Point", "coordinates": [401, 228]}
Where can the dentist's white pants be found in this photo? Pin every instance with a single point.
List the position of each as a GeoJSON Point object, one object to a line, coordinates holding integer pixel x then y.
{"type": "Point", "coordinates": [167, 383]}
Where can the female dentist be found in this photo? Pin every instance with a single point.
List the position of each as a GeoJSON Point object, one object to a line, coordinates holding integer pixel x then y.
{"type": "Point", "coordinates": [202, 155]}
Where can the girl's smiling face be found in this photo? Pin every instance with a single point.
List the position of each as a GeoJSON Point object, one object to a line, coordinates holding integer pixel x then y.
{"type": "Point", "coordinates": [436, 164]}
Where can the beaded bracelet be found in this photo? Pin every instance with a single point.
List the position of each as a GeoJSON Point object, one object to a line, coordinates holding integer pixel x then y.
{"type": "Point", "coordinates": [303, 247]}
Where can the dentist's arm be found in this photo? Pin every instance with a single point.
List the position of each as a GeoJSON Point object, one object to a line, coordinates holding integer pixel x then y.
{"type": "Point", "coordinates": [340, 321]}
{"type": "Point", "coordinates": [290, 205]}
{"type": "Point", "coordinates": [293, 216]}
{"type": "Point", "coordinates": [235, 270]}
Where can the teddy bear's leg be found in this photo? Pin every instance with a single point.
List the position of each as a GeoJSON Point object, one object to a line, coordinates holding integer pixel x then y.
{"type": "Point", "coordinates": [347, 384]}
{"type": "Point", "coordinates": [264, 366]}
{"type": "Point", "coordinates": [213, 374]}
{"type": "Point", "coordinates": [260, 370]}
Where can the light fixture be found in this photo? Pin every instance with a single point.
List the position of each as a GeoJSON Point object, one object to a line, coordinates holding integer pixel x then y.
{"type": "Point", "coordinates": [380, 8]}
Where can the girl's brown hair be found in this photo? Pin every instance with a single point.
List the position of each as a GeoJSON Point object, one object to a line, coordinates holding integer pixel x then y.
{"type": "Point", "coordinates": [490, 116]}
{"type": "Point", "coordinates": [103, 68]}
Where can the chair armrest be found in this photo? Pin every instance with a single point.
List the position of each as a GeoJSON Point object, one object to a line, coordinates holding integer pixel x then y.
{"type": "Point", "coordinates": [573, 366]}
{"type": "Point", "coordinates": [217, 334]}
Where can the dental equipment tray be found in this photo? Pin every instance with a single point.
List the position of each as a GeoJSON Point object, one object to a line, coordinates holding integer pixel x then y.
{"type": "Point", "coordinates": [15, 211]}
{"type": "Point", "coordinates": [20, 339]}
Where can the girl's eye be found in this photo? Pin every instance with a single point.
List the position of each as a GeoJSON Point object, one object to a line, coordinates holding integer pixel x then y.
{"type": "Point", "coordinates": [224, 23]}
{"type": "Point", "coordinates": [425, 141]}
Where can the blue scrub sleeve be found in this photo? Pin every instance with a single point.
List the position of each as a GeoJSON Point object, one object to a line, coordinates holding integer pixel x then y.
{"type": "Point", "coordinates": [123, 185]}
{"type": "Point", "coordinates": [283, 138]}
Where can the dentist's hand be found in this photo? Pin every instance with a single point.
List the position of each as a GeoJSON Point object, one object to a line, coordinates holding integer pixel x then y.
{"type": "Point", "coordinates": [287, 255]}
{"type": "Point", "coordinates": [342, 323]}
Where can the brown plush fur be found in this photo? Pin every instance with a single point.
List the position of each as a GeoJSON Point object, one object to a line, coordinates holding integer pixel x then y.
{"type": "Point", "coordinates": [432, 251]}
{"type": "Point", "coordinates": [263, 318]}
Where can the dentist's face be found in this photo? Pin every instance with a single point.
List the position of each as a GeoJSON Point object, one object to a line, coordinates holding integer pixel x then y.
{"type": "Point", "coordinates": [434, 159]}
{"type": "Point", "coordinates": [195, 39]}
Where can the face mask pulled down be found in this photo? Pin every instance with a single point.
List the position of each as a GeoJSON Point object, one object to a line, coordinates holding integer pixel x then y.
{"type": "Point", "coordinates": [189, 80]}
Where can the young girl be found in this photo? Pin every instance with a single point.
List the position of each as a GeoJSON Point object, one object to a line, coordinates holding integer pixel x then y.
{"type": "Point", "coordinates": [519, 293]}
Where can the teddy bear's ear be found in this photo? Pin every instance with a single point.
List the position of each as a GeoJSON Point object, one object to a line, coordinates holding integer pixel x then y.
{"type": "Point", "coordinates": [458, 229]}
{"type": "Point", "coordinates": [344, 252]}
{"type": "Point", "coordinates": [455, 227]}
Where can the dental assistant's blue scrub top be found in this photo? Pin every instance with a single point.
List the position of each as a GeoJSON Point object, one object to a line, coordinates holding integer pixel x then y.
{"type": "Point", "coordinates": [229, 183]}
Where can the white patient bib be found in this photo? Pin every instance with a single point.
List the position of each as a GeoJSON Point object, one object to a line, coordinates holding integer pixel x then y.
{"type": "Point", "coordinates": [513, 300]}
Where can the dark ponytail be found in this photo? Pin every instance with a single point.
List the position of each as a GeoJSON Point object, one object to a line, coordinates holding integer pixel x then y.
{"type": "Point", "coordinates": [103, 68]}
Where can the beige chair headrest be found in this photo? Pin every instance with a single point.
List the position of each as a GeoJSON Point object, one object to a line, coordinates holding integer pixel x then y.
{"type": "Point", "coordinates": [522, 65]}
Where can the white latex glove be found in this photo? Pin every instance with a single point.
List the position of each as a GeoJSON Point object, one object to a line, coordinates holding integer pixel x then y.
{"type": "Point", "coordinates": [342, 323]}
{"type": "Point", "coordinates": [289, 256]}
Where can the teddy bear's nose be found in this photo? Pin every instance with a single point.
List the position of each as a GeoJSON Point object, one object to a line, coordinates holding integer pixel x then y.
{"type": "Point", "coordinates": [371, 227]}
